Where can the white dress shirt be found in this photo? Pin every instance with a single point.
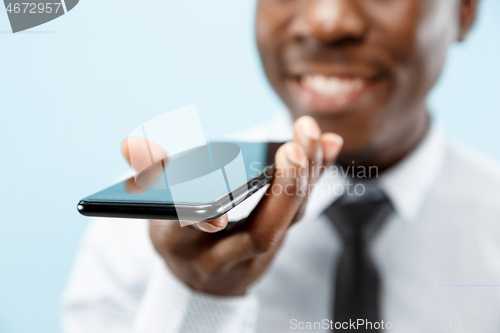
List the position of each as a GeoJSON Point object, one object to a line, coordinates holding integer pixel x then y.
{"type": "Point", "coordinates": [438, 256]}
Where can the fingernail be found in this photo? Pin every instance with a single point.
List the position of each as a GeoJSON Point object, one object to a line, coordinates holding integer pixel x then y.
{"type": "Point", "coordinates": [207, 227]}
{"type": "Point", "coordinates": [310, 127]}
{"type": "Point", "coordinates": [336, 138]}
{"type": "Point", "coordinates": [333, 147]}
{"type": "Point", "coordinates": [294, 155]}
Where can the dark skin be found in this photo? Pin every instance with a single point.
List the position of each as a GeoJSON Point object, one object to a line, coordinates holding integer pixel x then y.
{"type": "Point", "coordinates": [358, 68]}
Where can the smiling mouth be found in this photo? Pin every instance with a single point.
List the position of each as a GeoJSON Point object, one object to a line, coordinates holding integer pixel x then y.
{"type": "Point", "coordinates": [332, 86]}
{"type": "Point", "coordinates": [333, 93]}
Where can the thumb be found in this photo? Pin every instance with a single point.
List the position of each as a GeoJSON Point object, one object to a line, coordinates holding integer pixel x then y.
{"type": "Point", "coordinates": [275, 212]}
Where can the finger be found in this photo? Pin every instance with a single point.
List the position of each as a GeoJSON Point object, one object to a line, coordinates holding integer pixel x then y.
{"type": "Point", "coordinates": [200, 228]}
{"type": "Point", "coordinates": [307, 134]}
{"type": "Point", "coordinates": [332, 145]}
{"type": "Point", "coordinates": [147, 159]}
{"type": "Point", "coordinates": [125, 150]}
{"type": "Point", "coordinates": [214, 225]}
{"type": "Point", "coordinates": [132, 187]}
{"type": "Point", "coordinates": [152, 176]}
{"type": "Point", "coordinates": [267, 225]}
{"type": "Point", "coordinates": [141, 153]}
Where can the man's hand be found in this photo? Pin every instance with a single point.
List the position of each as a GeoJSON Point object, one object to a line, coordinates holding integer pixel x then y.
{"type": "Point", "coordinates": [225, 262]}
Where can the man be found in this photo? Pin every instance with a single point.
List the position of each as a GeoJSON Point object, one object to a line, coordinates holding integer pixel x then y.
{"type": "Point", "coordinates": [354, 75]}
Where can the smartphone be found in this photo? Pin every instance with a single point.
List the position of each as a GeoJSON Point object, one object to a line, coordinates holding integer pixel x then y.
{"type": "Point", "coordinates": [198, 185]}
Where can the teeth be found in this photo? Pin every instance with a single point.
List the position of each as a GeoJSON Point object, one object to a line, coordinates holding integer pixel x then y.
{"type": "Point", "coordinates": [331, 86]}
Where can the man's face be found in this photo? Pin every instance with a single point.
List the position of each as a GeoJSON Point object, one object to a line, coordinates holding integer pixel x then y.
{"type": "Point", "coordinates": [362, 68]}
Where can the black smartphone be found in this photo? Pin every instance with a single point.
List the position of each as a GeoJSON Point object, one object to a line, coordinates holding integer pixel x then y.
{"type": "Point", "coordinates": [198, 185]}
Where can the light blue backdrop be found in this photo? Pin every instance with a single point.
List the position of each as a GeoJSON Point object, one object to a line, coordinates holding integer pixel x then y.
{"type": "Point", "coordinates": [72, 89]}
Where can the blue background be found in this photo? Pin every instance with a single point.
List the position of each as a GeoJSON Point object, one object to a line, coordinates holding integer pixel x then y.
{"type": "Point", "coordinates": [72, 89]}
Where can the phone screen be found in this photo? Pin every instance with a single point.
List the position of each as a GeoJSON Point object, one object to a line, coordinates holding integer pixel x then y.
{"type": "Point", "coordinates": [199, 176]}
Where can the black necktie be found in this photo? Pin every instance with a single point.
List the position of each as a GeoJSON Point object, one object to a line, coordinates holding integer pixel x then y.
{"type": "Point", "coordinates": [357, 220]}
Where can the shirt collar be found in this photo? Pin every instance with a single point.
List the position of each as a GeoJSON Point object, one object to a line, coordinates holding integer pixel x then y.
{"type": "Point", "coordinates": [408, 183]}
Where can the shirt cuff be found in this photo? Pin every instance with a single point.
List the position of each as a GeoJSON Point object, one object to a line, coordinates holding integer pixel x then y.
{"type": "Point", "coordinates": [170, 306]}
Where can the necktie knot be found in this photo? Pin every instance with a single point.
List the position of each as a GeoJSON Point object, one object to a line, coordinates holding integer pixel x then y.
{"type": "Point", "coordinates": [358, 218]}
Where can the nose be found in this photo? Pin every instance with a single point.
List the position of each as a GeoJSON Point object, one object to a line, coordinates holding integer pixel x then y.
{"type": "Point", "coordinates": [331, 22]}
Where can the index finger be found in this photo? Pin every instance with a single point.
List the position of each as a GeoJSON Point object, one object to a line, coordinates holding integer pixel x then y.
{"type": "Point", "coordinates": [141, 153]}
{"type": "Point", "coordinates": [147, 159]}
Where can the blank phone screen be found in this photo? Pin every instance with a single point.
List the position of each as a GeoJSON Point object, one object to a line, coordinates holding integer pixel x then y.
{"type": "Point", "coordinates": [201, 175]}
